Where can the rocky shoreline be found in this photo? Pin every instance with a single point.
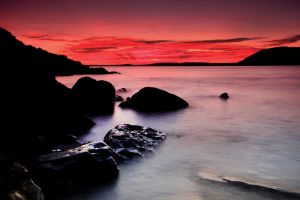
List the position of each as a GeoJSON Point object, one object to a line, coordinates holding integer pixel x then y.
{"type": "Point", "coordinates": [59, 162]}
{"type": "Point", "coordinates": [40, 154]}
{"type": "Point", "coordinates": [66, 169]}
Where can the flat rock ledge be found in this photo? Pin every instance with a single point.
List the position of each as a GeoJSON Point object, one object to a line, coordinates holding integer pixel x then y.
{"type": "Point", "coordinates": [132, 140]}
{"type": "Point", "coordinates": [82, 166]}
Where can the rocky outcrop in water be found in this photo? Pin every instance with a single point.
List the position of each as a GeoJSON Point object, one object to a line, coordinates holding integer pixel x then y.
{"type": "Point", "coordinates": [119, 98]}
{"type": "Point", "coordinates": [150, 99]}
{"type": "Point", "coordinates": [224, 96]}
{"type": "Point", "coordinates": [122, 90]}
{"type": "Point", "coordinates": [82, 166]}
{"type": "Point", "coordinates": [39, 113]}
{"type": "Point", "coordinates": [16, 183]}
{"type": "Point", "coordinates": [94, 97]}
{"type": "Point", "coordinates": [132, 140]}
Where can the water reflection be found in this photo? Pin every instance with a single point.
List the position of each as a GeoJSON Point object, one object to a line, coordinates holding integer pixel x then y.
{"type": "Point", "coordinates": [254, 136]}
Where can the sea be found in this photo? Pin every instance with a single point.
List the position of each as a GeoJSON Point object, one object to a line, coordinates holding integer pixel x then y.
{"type": "Point", "coordinates": [245, 148]}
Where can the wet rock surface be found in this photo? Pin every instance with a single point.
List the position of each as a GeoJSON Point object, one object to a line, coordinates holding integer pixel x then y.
{"type": "Point", "coordinates": [77, 167]}
{"type": "Point", "coordinates": [133, 141]}
{"type": "Point", "coordinates": [150, 99]}
{"type": "Point", "coordinates": [16, 182]}
{"type": "Point", "coordinates": [119, 98]}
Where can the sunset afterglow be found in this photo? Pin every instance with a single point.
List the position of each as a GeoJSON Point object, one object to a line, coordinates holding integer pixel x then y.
{"type": "Point", "coordinates": [142, 32]}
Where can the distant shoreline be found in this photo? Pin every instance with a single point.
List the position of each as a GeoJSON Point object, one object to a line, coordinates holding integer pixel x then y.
{"type": "Point", "coordinates": [212, 65]}
{"type": "Point", "coordinates": [277, 56]}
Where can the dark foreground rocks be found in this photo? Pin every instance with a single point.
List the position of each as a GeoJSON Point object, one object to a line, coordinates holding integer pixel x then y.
{"type": "Point", "coordinates": [78, 167]}
{"type": "Point", "coordinates": [119, 98]}
{"type": "Point", "coordinates": [132, 140]}
{"type": "Point", "coordinates": [16, 183]}
{"type": "Point", "coordinates": [40, 114]}
{"type": "Point", "coordinates": [122, 90]}
{"type": "Point", "coordinates": [93, 163]}
{"type": "Point", "coordinates": [150, 99]}
{"type": "Point", "coordinates": [94, 97]}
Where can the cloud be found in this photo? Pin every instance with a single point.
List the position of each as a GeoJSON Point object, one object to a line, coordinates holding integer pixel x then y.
{"type": "Point", "coordinates": [222, 41]}
{"type": "Point", "coordinates": [153, 41]}
{"type": "Point", "coordinates": [117, 50]}
{"type": "Point", "coordinates": [213, 41]}
{"type": "Point", "coordinates": [45, 37]}
{"type": "Point", "coordinates": [113, 44]}
{"type": "Point", "coordinates": [286, 40]}
{"type": "Point", "coordinates": [94, 49]}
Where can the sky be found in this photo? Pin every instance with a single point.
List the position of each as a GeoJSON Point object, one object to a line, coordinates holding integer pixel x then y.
{"type": "Point", "coordinates": [112, 32]}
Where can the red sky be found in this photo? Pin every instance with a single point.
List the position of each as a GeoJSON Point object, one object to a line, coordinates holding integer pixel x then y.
{"type": "Point", "coordinates": [140, 31]}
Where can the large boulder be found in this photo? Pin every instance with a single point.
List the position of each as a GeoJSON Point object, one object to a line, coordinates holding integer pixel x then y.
{"type": "Point", "coordinates": [16, 183]}
{"type": "Point", "coordinates": [119, 98]}
{"type": "Point", "coordinates": [132, 140]}
{"type": "Point", "coordinates": [82, 166]}
{"type": "Point", "coordinates": [150, 99]}
{"type": "Point", "coordinates": [94, 97]}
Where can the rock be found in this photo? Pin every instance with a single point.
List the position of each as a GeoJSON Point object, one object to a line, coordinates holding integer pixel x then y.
{"type": "Point", "coordinates": [224, 96]}
{"type": "Point", "coordinates": [151, 99]}
{"type": "Point", "coordinates": [114, 72]}
{"type": "Point", "coordinates": [47, 109]}
{"type": "Point", "coordinates": [132, 140]}
{"type": "Point", "coordinates": [60, 142]}
{"type": "Point", "coordinates": [119, 98]}
{"type": "Point", "coordinates": [85, 165]}
{"type": "Point", "coordinates": [16, 183]}
{"type": "Point", "coordinates": [94, 97]}
{"type": "Point", "coordinates": [30, 56]}
{"type": "Point", "coordinates": [273, 56]}
{"type": "Point", "coordinates": [30, 91]}
{"type": "Point", "coordinates": [122, 90]}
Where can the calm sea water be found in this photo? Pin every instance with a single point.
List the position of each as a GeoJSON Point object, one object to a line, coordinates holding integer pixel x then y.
{"type": "Point", "coordinates": [254, 137]}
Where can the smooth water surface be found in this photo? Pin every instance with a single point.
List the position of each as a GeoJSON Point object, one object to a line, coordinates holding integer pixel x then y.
{"type": "Point", "coordinates": [252, 138]}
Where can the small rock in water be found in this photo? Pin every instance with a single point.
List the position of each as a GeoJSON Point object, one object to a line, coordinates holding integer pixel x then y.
{"type": "Point", "coordinates": [119, 98]}
{"type": "Point", "coordinates": [224, 96]}
{"type": "Point", "coordinates": [122, 90]}
{"type": "Point", "coordinates": [132, 140]}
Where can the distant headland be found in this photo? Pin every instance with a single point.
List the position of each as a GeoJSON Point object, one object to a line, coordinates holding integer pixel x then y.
{"type": "Point", "coordinates": [15, 52]}
{"type": "Point", "coordinates": [272, 57]}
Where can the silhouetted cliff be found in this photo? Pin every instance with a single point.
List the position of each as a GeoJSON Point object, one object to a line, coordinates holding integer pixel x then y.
{"type": "Point", "coordinates": [30, 58]}
{"type": "Point", "coordinates": [274, 56]}
{"type": "Point", "coordinates": [34, 106]}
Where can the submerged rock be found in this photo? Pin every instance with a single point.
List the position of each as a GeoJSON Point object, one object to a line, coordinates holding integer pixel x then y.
{"type": "Point", "coordinates": [151, 99]}
{"type": "Point", "coordinates": [16, 183]}
{"type": "Point", "coordinates": [122, 90]}
{"type": "Point", "coordinates": [94, 97]}
{"type": "Point", "coordinates": [82, 166]}
{"type": "Point", "coordinates": [119, 98]}
{"type": "Point", "coordinates": [132, 140]}
{"type": "Point", "coordinates": [224, 96]}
